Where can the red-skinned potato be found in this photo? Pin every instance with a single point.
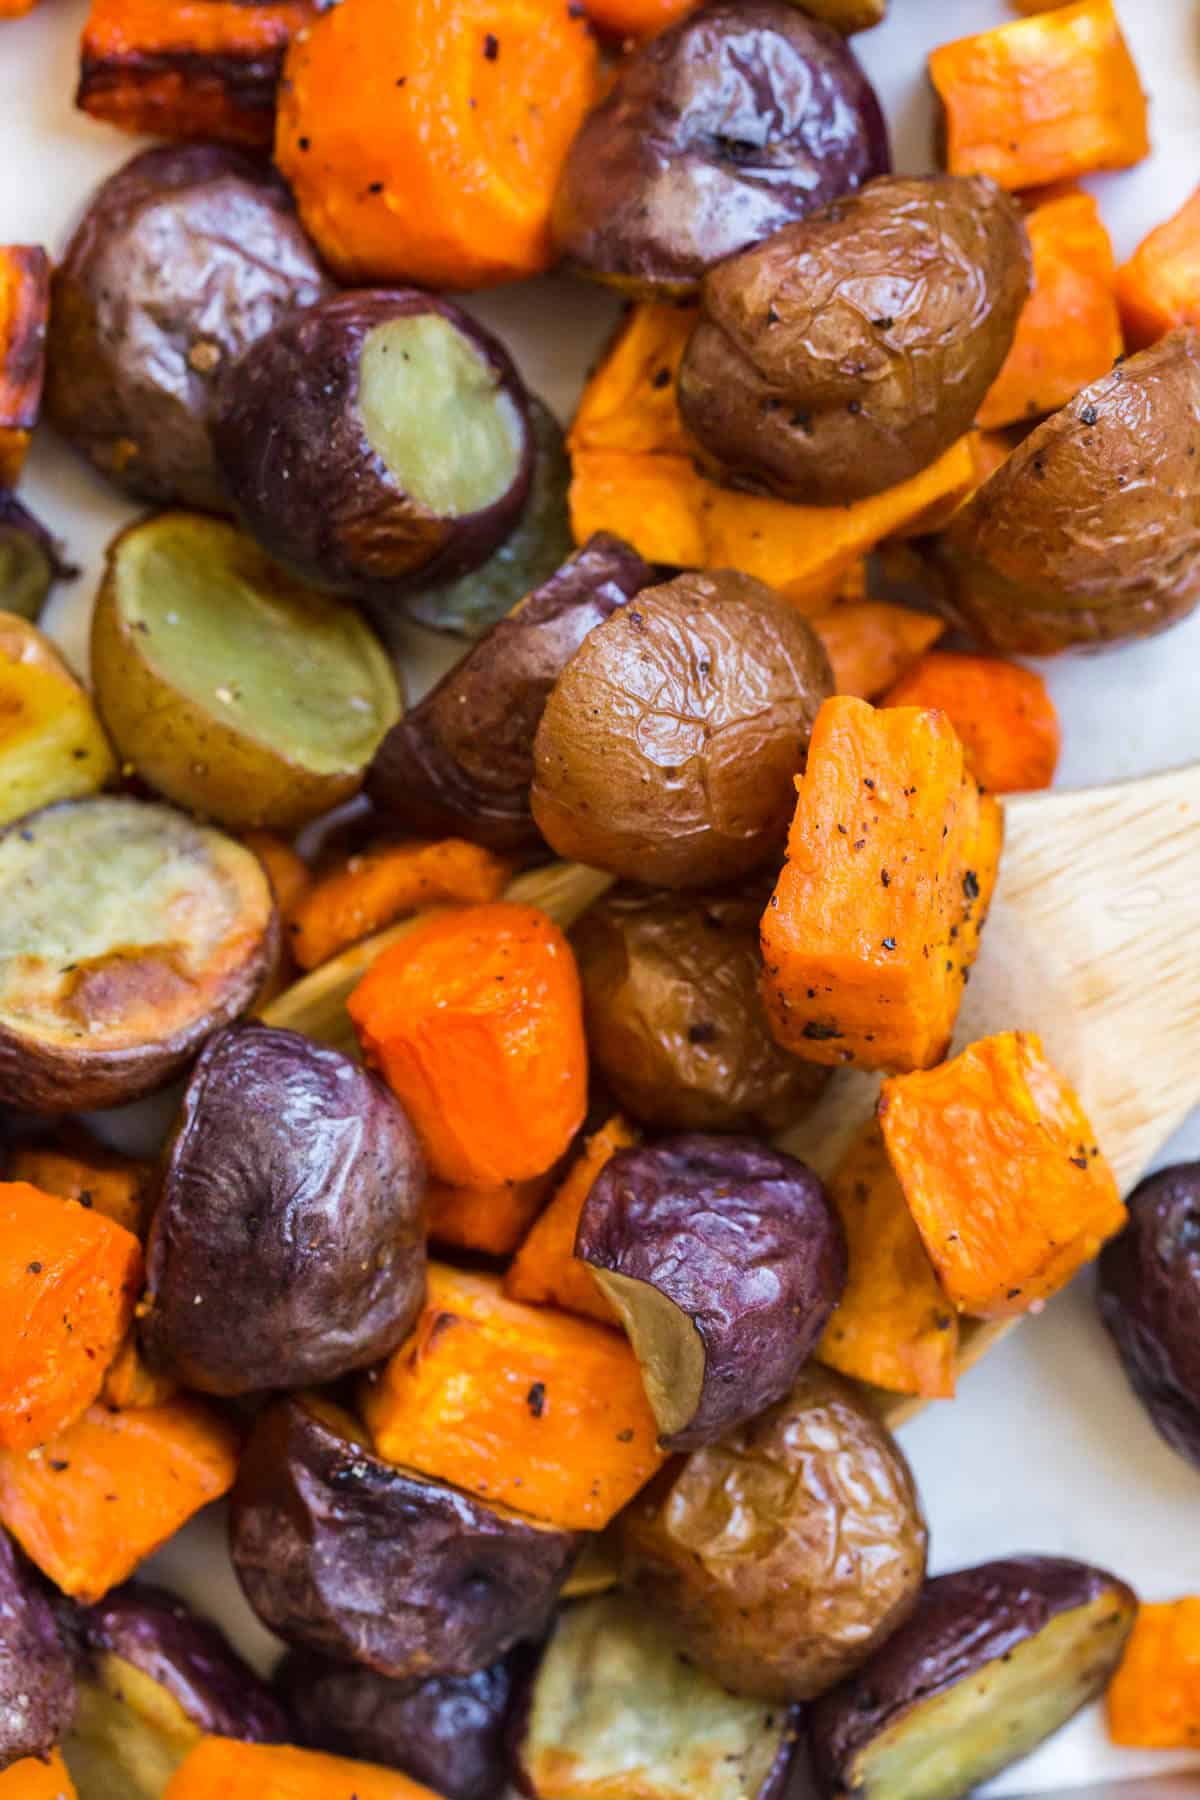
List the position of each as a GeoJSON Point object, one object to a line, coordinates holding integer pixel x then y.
{"type": "Point", "coordinates": [724, 1260]}
{"type": "Point", "coordinates": [31, 559]}
{"type": "Point", "coordinates": [376, 438]}
{"type": "Point", "coordinates": [37, 1688]}
{"type": "Point", "coordinates": [344, 1554]}
{"type": "Point", "coordinates": [288, 1243]}
{"type": "Point", "coordinates": [780, 1558]}
{"type": "Point", "coordinates": [993, 1660]}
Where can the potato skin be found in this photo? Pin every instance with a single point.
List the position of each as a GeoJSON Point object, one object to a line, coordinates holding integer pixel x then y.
{"type": "Point", "coordinates": [669, 745]}
{"type": "Point", "coordinates": [740, 118]}
{"type": "Point", "coordinates": [31, 559]}
{"type": "Point", "coordinates": [1089, 533]}
{"type": "Point", "coordinates": [184, 258]}
{"type": "Point", "coordinates": [1149, 1299]}
{"type": "Point", "coordinates": [794, 383]}
{"type": "Point", "coordinates": [37, 1684]}
{"type": "Point", "coordinates": [830, 1550]}
{"type": "Point", "coordinates": [672, 994]}
{"type": "Point", "coordinates": [460, 763]}
{"type": "Point", "coordinates": [292, 1204]}
{"type": "Point", "coordinates": [347, 1555]}
{"type": "Point", "coordinates": [295, 458]}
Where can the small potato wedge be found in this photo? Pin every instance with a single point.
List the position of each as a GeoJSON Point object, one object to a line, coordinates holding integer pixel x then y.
{"type": "Point", "coordinates": [52, 746]}
{"type": "Point", "coordinates": [128, 934]}
{"type": "Point", "coordinates": [233, 689]}
{"type": "Point", "coordinates": [31, 559]}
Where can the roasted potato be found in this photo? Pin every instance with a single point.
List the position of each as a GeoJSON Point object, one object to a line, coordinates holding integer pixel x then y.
{"type": "Point", "coordinates": [350, 1556]}
{"type": "Point", "coordinates": [1089, 533]}
{"type": "Point", "coordinates": [450, 1733]}
{"type": "Point", "coordinates": [1150, 1302]}
{"type": "Point", "coordinates": [783, 1556]}
{"type": "Point", "coordinates": [52, 746]}
{"type": "Point", "coordinates": [848, 16]}
{"type": "Point", "coordinates": [152, 1679]}
{"type": "Point", "coordinates": [31, 560]}
{"type": "Point", "coordinates": [724, 1260]}
{"type": "Point", "coordinates": [380, 437]}
{"type": "Point", "coordinates": [288, 1243]}
{"type": "Point", "coordinates": [128, 935]}
{"type": "Point", "coordinates": [993, 1660]}
{"type": "Point", "coordinates": [615, 1709]}
{"type": "Point", "coordinates": [794, 381]}
{"type": "Point", "coordinates": [461, 761]}
{"type": "Point", "coordinates": [675, 1019]}
{"type": "Point", "coordinates": [37, 1684]}
{"type": "Point", "coordinates": [740, 118]}
{"type": "Point", "coordinates": [669, 744]}
{"type": "Point", "coordinates": [231, 688]}
{"type": "Point", "coordinates": [184, 257]}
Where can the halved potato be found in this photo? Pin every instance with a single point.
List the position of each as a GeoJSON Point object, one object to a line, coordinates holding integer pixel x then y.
{"type": "Point", "coordinates": [31, 559]}
{"type": "Point", "coordinates": [233, 688]}
{"type": "Point", "coordinates": [51, 744]}
{"type": "Point", "coordinates": [128, 934]}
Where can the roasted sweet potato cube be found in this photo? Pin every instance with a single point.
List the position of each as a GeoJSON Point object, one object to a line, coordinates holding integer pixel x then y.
{"type": "Point", "coordinates": [491, 1220]}
{"type": "Point", "coordinates": [24, 311]}
{"type": "Point", "coordinates": [226, 1769]}
{"type": "Point", "coordinates": [1154, 1700]}
{"type": "Point", "coordinates": [1159, 287]}
{"type": "Point", "coordinates": [546, 1270]}
{"type": "Point", "coordinates": [100, 1179]}
{"type": "Point", "coordinates": [31, 1778]}
{"type": "Point", "coordinates": [871, 644]}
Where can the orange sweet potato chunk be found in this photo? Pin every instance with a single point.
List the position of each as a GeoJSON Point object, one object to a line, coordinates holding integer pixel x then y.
{"type": "Point", "coordinates": [1002, 712]}
{"type": "Point", "coordinates": [99, 1179]}
{"type": "Point", "coordinates": [1159, 287]}
{"type": "Point", "coordinates": [1002, 1174]}
{"type": "Point", "coordinates": [373, 890]}
{"type": "Point", "coordinates": [518, 1404]}
{"type": "Point", "coordinates": [546, 1270]}
{"type": "Point", "coordinates": [894, 1326]}
{"type": "Point", "coordinates": [875, 918]}
{"type": "Point", "coordinates": [1043, 99]}
{"type": "Point", "coordinates": [871, 644]}
{"type": "Point", "coordinates": [129, 1382]}
{"type": "Point", "coordinates": [31, 1778]}
{"type": "Point", "coordinates": [91, 1504]}
{"type": "Point", "coordinates": [24, 311]}
{"type": "Point", "coordinates": [491, 1220]}
{"type": "Point", "coordinates": [225, 1769]}
{"type": "Point", "coordinates": [1154, 1699]}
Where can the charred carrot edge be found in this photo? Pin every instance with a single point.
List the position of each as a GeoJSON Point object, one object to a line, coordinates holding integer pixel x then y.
{"type": "Point", "coordinates": [369, 891]}
{"type": "Point", "coordinates": [1003, 714]}
{"type": "Point", "coordinates": [871, 644]}
{"type": "Point", "coordinates": [546, 1270]}
{"type": "Point", "coordinates": [24, 312]}
{"type": "Point", "coordinates": [1153, 1702]}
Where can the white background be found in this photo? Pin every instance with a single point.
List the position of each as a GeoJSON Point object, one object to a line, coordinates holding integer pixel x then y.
{"type": "Point", "coordinates": [1045, 1450]}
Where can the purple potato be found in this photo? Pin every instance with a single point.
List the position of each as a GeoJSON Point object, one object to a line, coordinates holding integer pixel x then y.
{"type": "Point", "coordinates": [1150, 1302]}
{"type": "Point", "coordinates": [288, 1243]}
{"type": "Point", "coordinates": [449, 1733]}
{"type": "Point", "coordinates": [184, 258]}
{"type": "Point", "coordinates": [993, 1661]}
{"type": "Point", "coordinates": [31, 560]}
{"type": "Point", "coordinates": [344, 1554]}
{"type": "Point", "coordinates": [738, 120]}
{"type": "Point", "coordinates": [37, 1683]}
{"type": "Point", "coordinates": [379, 437]}
{"type": "Point", "coordinates": [725, 1260]}
{"type": "Point", "coordinates": [460, 763]}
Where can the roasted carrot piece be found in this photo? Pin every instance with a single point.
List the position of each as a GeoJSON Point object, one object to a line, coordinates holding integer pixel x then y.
{"type": "Point", "coordinates": [1069, 333]}
{"type": "Point", "coordinates": [31, 1778]}
{"type": "Point", "coordinates": [224, 1769]}
{"type": "Point", "coordinates": [1159, 287]}
{"type": "Point", "coordinates": [475, 1022]}
{"type": "Point", "coordinates": [637, 18]}
{"type": "Point", "coordinates": [628, 402]}
{"type": "Point", "coordinates": [424, 142]}
{"type": "Point", "coordinates": [16, 9]}
{"type": "Point", "coordinates": [100, 1179]}
{"type": "Point", "coordinates": [24, 311]}
{"type": "Point", "coordinates": [1001, 1173]}
{"type": "Point", "coordinates": [874, 921]}
{"type": "Point", "coordinates": [204, 69]}
{"type": "Point", "coordinates": [290, 876]}
{"type": "Point", "coordinates": [894, 1326]}
{"type": "Point", "coordinates": [1005, 717]}
{"type": "Point", "coordinates": [1042, 99]}
{"type": "Point", "coordinates": [131, 1384]}
{"type": "Point", "coordinates": [518, 1404]}
{"type": "Point", "coordinates": [546, 1270]}
{"type": "Point", "coordinates": [491, 1220]}
{"type": "Point", "coordinates": [871, 643]}
{"type": "Point", "coordinates": [91, 1504]}
{"type": "Point", "coordinates": [370, 891]}
{"type": "Point", "coordinates": [1154, 1699]}
{"type": "Point", "coordinates": [69, 1281]}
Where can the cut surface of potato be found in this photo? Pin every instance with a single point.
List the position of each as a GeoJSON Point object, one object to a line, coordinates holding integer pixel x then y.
{"type": "Point", "coordinates": [129, 1734]}
{"type": "Point", "coordinates": [31, 559]}
{"type": "Point", "coordinates": [231, 687]}
{"type": "Point", "coordinates": [51, 743]}
{"type": "Point", "coordinates": [127, 934]}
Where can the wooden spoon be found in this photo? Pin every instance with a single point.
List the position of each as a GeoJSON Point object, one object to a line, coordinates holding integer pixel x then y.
{"type": "Point", "coordinates": [1093, 941]}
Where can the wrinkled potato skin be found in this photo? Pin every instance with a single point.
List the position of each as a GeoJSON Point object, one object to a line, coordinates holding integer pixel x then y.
{"type": "Point", "coordinates": [795, 382]}
{"type": "Point", "coordinates": [1089, 534]}
{"type": "Point", "coordinates": [826, 1558]}
{"type": "Point", "coordinates": [184, 258]}
{"type": "Point", "coordinates": [344, 1554]}
{"type": "Point", "coordinates": [742, 117]}
{"type": "Point", "coordinates": [37, 1685]}
{"type": "Point", "coordinates": [460, 763]}
{"type": "Point", "coordinates": [668, 748]}
{"type": "Point", "coordinates": [292, 1203]}
{"type": "Point", "coordinates": [672, 990]}
{"type": "Point", "coordinates": [1150, 1302]}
